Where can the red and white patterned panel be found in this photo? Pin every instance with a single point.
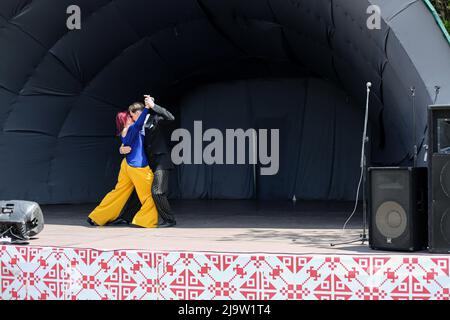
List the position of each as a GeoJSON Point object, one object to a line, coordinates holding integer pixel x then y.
{"type": "Point", "coordinates": [55, 273]}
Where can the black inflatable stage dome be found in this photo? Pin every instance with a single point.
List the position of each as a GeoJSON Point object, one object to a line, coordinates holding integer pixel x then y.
{"type": "Point", "coordinates": [302, 63]}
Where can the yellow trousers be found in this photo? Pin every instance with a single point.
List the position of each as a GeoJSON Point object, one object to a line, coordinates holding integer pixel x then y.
{"type": "Point", "coordinates": [112, 204]}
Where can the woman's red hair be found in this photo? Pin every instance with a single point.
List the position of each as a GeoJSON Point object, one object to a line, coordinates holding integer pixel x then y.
{"type": "Point", "coordinates": [121, 121]}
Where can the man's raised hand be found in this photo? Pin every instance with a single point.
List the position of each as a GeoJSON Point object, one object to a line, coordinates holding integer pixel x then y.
{"type": "Point", "coordinates": [149, 101]}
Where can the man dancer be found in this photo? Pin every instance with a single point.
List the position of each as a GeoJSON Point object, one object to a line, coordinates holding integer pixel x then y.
{"type": "Point", "coordinates": [159, 160]}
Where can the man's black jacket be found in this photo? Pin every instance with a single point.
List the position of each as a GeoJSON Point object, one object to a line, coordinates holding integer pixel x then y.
{"type": "Point", "coordinates": [156, 148]}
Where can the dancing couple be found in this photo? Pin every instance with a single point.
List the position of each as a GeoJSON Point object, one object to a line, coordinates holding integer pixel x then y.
{"type": "Point", "coordinates": [140, 195]}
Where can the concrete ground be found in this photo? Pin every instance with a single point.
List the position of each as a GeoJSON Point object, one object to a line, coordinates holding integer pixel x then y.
{"type": "Point", "coordinates": [216, 226]}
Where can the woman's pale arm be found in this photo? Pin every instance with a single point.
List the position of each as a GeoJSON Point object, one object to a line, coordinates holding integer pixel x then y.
{"type": "Point", "coordinates": [124, 149]}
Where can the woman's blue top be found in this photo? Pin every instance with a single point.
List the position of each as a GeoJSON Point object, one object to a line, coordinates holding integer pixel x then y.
{"type": "Point", "coordinates": [135, 139]}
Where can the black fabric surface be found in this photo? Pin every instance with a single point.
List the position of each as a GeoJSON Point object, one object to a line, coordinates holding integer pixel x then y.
{"type": "Point", "coordinates": [320, 139]}
{"type": "Point", "coordinates": [60, 89]}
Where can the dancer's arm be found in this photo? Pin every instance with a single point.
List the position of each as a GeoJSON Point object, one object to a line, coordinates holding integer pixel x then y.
{"type": "Point", "coordinates": [163, 112]}
{"type": "Point", "coordinates": [131, 133]}
{"type": "Point", "coordinates": [125, 149]}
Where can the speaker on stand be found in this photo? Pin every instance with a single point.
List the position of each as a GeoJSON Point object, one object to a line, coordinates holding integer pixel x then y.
{"type": "Point", "coordinates": [439, 180]}
{"type": "Point", "coordinates": [398, 203]}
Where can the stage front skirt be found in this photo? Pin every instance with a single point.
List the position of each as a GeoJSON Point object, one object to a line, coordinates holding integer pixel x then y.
{"type": "Point", "coordinates": [79, 274]}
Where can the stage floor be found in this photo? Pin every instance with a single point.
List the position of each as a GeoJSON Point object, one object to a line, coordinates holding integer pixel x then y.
{"type": "Point", "coordinates": [225, 226]}
{"type": "Point", "coordinates": [223, 250]}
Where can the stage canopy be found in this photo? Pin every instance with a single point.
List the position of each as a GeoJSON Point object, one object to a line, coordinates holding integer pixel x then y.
{"type": "Point", "coordinates": [60, 89]}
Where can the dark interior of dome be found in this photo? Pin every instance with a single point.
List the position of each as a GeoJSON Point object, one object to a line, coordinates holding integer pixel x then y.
{"type": "Point", "coordinates": [298, 66]}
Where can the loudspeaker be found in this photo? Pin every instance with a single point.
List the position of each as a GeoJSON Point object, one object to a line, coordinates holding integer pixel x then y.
{"type": "Point", "coordinates": [398, 208]}
{"type": "Point", "coordinates": [439, 219]}
{"type": "Point", "coordinates": [20, 219]}
{"type": "Point", "coordinates": [439, 180]}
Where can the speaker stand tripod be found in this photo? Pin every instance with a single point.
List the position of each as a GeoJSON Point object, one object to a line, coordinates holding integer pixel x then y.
{"type": "Point", "coordinates": [362, 237]}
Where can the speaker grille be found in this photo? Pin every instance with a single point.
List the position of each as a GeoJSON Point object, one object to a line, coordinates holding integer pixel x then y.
{"type": "Point", "coordinates": [390, 204]}
{"type": "Point", "coordinates": [439, 220]}
{"type": "Point", "coordinates": [397, 208]}
{"type": "Point", "coordinates": [385, 182]}
{"type": "Point", "coordinates": [391, 219]}
{"type": "Point", "coordinates": [445, 226]}
{"type": "Point", "coordinates": [444, 179]}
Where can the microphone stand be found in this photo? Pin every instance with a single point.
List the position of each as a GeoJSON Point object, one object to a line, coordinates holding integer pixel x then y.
{"type": "Point", "coordinates": [363, 164]}
{"type": "Point", "coordinates": [413, 97]}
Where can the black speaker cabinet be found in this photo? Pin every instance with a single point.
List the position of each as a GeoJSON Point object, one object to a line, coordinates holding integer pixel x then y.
{"type": "Point", "coordinates": [439, 180]}
{"type": "Point", "coordinates": [439, 219]}
{"type": "Point", "coordinates": [398, 208]}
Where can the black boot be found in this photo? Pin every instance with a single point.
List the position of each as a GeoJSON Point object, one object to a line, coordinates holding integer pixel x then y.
{"type": "Point", "coordinates": [167, 224]}
{"type": "Point", "coordinates": [119, 223]}
{"type": "Point", "coordinates": [91, 222]}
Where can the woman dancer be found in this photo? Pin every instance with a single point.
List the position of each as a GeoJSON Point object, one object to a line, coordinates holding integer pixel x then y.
{"type": "Point", "coordinates": [134, 173]}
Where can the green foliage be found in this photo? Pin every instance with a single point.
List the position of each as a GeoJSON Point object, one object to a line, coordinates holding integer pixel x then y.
{"type": "Point", "coordinates": [443, 8]}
